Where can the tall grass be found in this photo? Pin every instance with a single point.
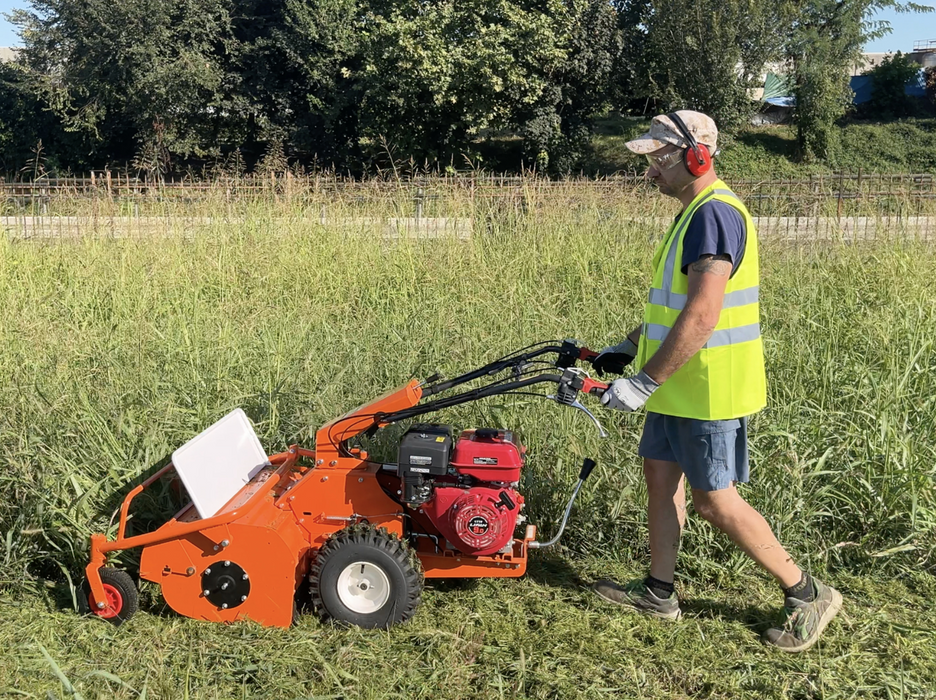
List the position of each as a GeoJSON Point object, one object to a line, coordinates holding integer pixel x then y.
{"type": "Point", "coordinates": [114, 352]}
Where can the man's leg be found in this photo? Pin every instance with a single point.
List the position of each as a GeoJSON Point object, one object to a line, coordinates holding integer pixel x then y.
{"type": "Point", "coordinates": [726, 510]}
{"type": "Point", "coordinates": [666, 515]}
{"type": "Point", "coordinates": [809, 604]}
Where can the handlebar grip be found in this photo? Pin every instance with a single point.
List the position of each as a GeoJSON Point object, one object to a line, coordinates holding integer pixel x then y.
{"type": "Point", "coordinates": [587, 467]}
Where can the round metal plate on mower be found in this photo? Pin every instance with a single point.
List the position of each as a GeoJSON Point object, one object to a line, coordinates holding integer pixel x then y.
{"type": "Point", "coordinates": [363, 587]}
{"type": "Point", "coordinates": [225, 584]}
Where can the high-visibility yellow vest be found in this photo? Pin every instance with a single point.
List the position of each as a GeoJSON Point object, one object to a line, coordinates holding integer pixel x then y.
{"type": "Point", "coordinates": [725, 379]}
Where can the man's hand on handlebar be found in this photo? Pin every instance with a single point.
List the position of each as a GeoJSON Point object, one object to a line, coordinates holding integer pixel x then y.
{"type": "Point", "coordinates": [615, 358]}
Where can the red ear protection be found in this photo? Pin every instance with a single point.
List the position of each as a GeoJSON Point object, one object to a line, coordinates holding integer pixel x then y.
{"type": "Point", "coordinates": [697, 158]}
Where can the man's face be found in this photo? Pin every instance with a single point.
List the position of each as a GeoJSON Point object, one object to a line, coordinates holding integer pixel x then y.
{"type": "Point", "coordinates": [667, 170]}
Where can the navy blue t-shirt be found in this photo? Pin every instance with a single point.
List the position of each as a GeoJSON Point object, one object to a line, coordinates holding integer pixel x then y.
{"type": "Point", "coordinates": [716, 228]}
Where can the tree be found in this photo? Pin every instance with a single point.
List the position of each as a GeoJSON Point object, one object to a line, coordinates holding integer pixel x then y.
{"type": "Point", "coordinates": [824, 40]}
{"type": "Point", "coordinates": [697, 54]}
{"type": "Point", "coordinates": [557, 126]}
{"type": "Point", "coordinates": [20, 117]}
{"type": "Point", "coordinates": [133, 77]}
{"type": "Point", "coordinates": [295, 65]}
{"type": "Point", "coordinates": [436, 75]}
{"type": "Point", "coordinates": [889, 98]}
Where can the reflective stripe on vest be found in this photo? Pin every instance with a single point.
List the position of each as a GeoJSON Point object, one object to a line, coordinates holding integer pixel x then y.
{"type": "Point", "coordinates": [726, 336]}
{"type": "Point", "coordinates": [672, 300]}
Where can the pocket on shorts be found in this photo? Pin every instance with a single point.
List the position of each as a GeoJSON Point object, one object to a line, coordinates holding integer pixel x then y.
{"type": "Point", "coordinates": [711, 427]}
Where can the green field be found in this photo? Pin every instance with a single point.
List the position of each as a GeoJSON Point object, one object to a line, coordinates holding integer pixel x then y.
{"type": "Point", "coordinates": [115, 352]}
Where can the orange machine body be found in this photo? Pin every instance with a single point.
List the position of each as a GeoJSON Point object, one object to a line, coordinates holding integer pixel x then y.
{"type": "Point", "coordinates": [269, 532]}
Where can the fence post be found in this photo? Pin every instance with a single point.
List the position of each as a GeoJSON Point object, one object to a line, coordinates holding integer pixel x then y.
{"type": "Point", "coordinates": [841, 193]}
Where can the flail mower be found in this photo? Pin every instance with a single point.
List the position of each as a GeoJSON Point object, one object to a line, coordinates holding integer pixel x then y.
{"type": "Point", "coordinates": [363, 535]}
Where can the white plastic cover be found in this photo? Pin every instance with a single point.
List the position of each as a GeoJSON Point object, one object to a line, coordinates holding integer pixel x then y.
{"type": "Point", "coordinates": [216, 464]}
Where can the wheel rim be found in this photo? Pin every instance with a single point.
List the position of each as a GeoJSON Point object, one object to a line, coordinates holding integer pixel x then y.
{"type": "Point", "coordinates": [113, 603]}
{"type": "Point", "coordinates": [363, 587]}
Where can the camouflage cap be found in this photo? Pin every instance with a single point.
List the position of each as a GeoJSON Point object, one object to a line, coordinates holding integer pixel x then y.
{"type": "Point", "coordinates": [663, 132]}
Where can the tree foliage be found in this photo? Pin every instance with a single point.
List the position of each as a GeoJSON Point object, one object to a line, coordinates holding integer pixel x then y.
{"type": "Point", "coordinates": [338, 82]}
{"type": "Point", "coordinates": [291, 69]}
{"type": "Point", "coordinates": [889, 99]}
{"type": "Point", "coordinates": [701, 54]}
{"type": "Point", "coordinates": [556, 124]}
{"type": "Point", "coordinates": [435, 74]}
{"type": "Point", "coordinates": [929, 81]}
{"type": "Point", "coordinates": [359, 84]}
{"type": "Point", "coordinates": [131, 75]}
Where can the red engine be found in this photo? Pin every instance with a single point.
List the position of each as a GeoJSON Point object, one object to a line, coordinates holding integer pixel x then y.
{"type": "Point", "coordinates": [469, 490]}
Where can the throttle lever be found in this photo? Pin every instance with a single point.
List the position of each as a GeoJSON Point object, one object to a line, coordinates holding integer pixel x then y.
{"type": "Point", "coordinates": [587, 355]}
{"type": "Point", "coordinates": [573, 381]}
{"type": "Point", "coordinates": [590, 386]}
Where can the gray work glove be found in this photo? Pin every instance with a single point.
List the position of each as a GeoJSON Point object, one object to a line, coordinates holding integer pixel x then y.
{"type": "Point", "coordinates": [630, 393]}
{"type": "Point", "coordinates": [615, 358]}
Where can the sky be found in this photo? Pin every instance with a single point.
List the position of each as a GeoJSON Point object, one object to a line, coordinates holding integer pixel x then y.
{"type": "Point", "coordinates": [907, 28]}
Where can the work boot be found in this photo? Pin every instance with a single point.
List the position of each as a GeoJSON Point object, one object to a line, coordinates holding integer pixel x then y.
{"type": "Point", "coordinates": [638, 596]}
{"type": "Point", "coordinates": [805, 620]}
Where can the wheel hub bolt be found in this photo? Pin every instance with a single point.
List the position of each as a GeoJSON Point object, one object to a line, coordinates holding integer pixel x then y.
{"type": "Point", "coordinates": [363, 586]}
{"type": "Point", "coordinates": [101, 606]}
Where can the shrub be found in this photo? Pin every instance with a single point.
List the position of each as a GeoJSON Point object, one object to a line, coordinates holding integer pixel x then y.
{"type": "Point", "coordinates": [889, 79]}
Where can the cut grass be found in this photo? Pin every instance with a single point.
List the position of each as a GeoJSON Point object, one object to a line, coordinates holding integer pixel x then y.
{"type": "Point", "coordinates": [544, 636]}
{"type": "Point", "coordinates": [115, 352]}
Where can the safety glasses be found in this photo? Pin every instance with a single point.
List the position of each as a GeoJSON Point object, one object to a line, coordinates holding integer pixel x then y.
{"type": "Point", "coordinates": [665, 162]}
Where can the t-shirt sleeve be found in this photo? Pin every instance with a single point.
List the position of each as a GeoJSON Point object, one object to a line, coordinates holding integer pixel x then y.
{"type": "Point", "coordinates": [715, 229]}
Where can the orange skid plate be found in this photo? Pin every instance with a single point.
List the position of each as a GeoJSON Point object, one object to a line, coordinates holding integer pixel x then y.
{"type": "Point", "coordinates": [450, 564]}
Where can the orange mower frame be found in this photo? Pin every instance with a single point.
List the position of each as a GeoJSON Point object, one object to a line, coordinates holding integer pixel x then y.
{"type": "Point", "coordinates": [263, 541]}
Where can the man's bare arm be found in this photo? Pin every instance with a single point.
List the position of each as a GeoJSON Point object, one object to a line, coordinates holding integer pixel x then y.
{"type": "Point", "coordinates": [708, 277]}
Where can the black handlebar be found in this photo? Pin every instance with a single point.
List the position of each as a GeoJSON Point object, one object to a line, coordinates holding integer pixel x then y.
{"type": "Point", "coordinates": [465, 397]}
{"type": "Point", "coordinates": [569, 382]}
{"type": "Point", "coordinates": [568, 352]}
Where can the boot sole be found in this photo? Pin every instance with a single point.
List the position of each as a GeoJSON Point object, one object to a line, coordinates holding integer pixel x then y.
{"type": "Point", "coordinates": [826, 618]}
{"type": "Point", "coordinates": [673, 616]}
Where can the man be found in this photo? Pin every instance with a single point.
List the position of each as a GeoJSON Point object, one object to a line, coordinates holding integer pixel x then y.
{"type": "Point", "coordinates": [701, 372]}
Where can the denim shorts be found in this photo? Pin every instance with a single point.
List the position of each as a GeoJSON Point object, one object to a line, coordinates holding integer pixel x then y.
{"type": "Point", "coordinates": [711, 453]}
